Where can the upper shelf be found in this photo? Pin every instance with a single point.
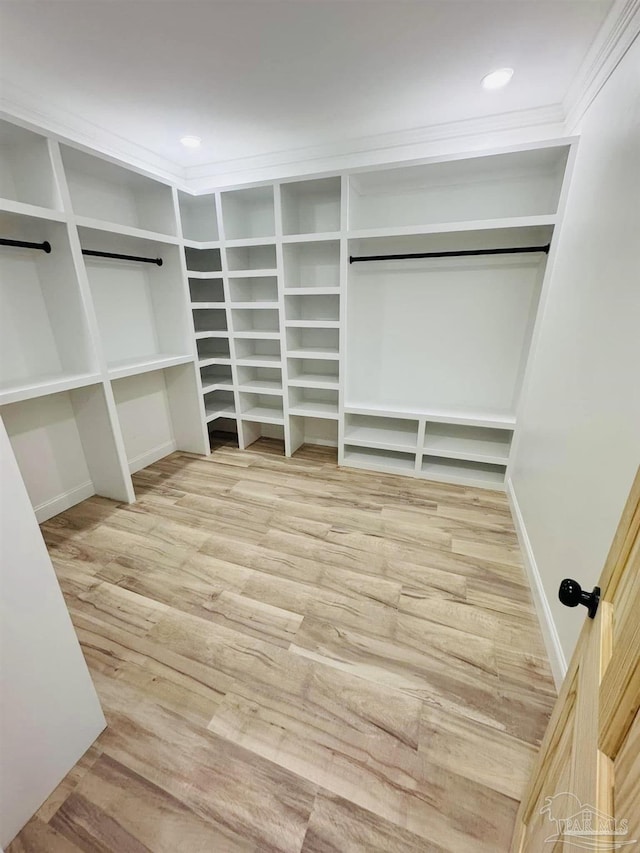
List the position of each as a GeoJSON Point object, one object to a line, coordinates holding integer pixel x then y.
{"type": "Point", "coordinates": [311, 207]}
{"type": "Point", "coordinates": [198, 217]}
{"type": "Point", "coordinates": [497, 187]}
{"type": "Point", "coordinates": [248, 213]}
{"type": "Point", "coordinates": [103, 191]}
{"type": "Point", "coordinates": [26, 171]}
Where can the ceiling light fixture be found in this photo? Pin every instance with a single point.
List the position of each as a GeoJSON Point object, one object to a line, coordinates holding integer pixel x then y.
{"type": "Point", "coordinates": [191, 141]}
{"type": "Point", "coordinates": [497, 79]}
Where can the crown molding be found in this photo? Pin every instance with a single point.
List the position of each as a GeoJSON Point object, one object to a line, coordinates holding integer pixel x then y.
{"type": "Point", "coordinates": [467, 135]}
{"type": "Point", "coordinates": [34, 113]}
{"type": "Point", "coordinates": [616, 35]}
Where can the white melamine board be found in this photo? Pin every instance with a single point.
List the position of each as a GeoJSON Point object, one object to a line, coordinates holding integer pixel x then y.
{"type": "Point", "coordinates": [198, 217]}
{"type": "Point", "coordinates": [313, 373]}
{"type": "Point", "coordinates": [250, 431]}
{"type": "Point", "coordinates": [258, 352]}
{"type": "Point", "coordinates": [463, 472]}
{"type": "Point", "coordinates": [206, 290]}
{"type": "Point", "coordinates": [253, 319]}
{"type": "Point", "coordinates": [145, 418]}
{"type": "Point", "coordinates": [140, 308]}
{"type": "Point", "coordinates": [182, 392]}
{"type": "Point", "coordinates": [104, 191]}
{"type": "Point", "coordinates": [43, 330]}
{"type": "Point", "coordinates": [203, 260]}
{"type": "Point", "coordinates": [264, 380]}
{"type": "Point", "coordinates": [50, 710]}
{"type": "Point", "coordinates": [312, 307]}
{"type": "Point", "coordinates": [312, 265]}
{"type": "Point", "coordinates": [311, 206]}
{"type": "Point", "coordinates": [525, 183]}
{"type": "Point", "coordinates": [265, 408]}
{"type": "Point", "coordinates": [313, 343]}
{"type": "Point", "coordinates": [248, 213]}
{"type": "Point", "coordinates": [439, 333]}
{"type": "Point", "coordinates": [210, 319]}
{"type": "Point", "coordinates": [389, 433]}
{"type": "Point", "coordinates": [390, 461]}
{"type": "Point", "coordinates": [102, 442]}
{"type": "Point", "coordinates": [310, 430]}
{"type": "Point", "coordinates": [256, 289]}
{"type": "Point", "coordinates": [467, 442]}
{"type": "Point", "coordinates": [46, 441]}
{"type": "Point", "coordinates": [26, 172]}
{"type": "Point", "coordinates": [257, 259]}
{"type": "Point", "coordinates": [313, 402]}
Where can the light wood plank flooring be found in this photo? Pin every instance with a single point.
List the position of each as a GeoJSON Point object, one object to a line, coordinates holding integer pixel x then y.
{"type": "Point", "coordinates": [296, 657]}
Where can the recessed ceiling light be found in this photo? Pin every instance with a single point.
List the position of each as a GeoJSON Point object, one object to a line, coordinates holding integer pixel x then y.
{"type": "Point", "coordinates": [191, 141]}
{"type": "Point", "coordinates": [497, 79]}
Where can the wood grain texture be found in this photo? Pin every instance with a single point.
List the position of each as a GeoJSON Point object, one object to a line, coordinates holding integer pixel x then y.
{"type": "Point", "coordinates": [297, 657]}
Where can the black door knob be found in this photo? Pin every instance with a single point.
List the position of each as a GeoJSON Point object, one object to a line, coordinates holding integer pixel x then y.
{"type": "Point", "coordinates": [571, 594]}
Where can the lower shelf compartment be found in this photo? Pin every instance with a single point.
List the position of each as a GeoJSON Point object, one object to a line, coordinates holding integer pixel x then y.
{"type": "Point", "coordinates": [387, 461]}
{"type": "Point", "coordinates": [463, 472]}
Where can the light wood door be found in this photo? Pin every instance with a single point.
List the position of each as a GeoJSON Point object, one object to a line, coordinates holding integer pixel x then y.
{"type": "Point", "coordinates": [584, 792]}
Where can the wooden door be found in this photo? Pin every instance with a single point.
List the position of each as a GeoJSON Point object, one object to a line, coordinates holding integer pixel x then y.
{"type": "Point", "coordinates": [584, 792]}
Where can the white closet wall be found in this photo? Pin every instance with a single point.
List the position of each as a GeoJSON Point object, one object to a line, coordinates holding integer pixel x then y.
{"type": "Point", "coordinates": [259, 321]}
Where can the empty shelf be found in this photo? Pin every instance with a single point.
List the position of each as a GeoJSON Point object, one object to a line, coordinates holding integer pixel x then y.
{"type": "Point", "coordinates": [145, 364]}
{"type": "Point", "coordinates": [39, 386]}
{"type": "Point", "coordinates": [263, 414]}
{"type": "Point", "coordinates": [380, 460]}
{"type": "Point", "coordinates": [222, 411]}
{"type": "Point", "coordinates": [463, 473]}
{"type": "Point", "coordinates": [261, 386]}
{"type": "Point", "coordinates": [392, 438]}
{"type": "Point", "coordinates": [315, 380]}
{"type": "Point", "coordinates": [314, 352]}
{"type": "Point", "coordinates": [474, 448]}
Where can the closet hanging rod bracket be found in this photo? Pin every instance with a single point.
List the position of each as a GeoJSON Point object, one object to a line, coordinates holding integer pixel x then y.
{"type": "Point", "coordinates": [463, 253]}
{"type": "Point", "coordinates": [25, 244]}
{"type": "Point", "coordinates": [117, 256]}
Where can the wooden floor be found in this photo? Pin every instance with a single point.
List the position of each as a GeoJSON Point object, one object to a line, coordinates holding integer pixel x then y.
{"type": "Point", "coordinates": [297, 657]}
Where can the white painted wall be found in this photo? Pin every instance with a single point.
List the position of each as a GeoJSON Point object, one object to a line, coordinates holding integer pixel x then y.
{"type": "Point", "coordinates": [579, 436]}
{"type": "Point", "coordinates": [49, 710]}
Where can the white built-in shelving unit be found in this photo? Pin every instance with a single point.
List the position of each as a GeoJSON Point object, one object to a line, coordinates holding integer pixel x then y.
{"type": "Point", "coordinates": [257, 323]}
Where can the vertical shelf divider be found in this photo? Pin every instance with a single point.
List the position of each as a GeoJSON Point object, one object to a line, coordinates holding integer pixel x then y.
{"type": "Point", "coordinates": [289, 448]}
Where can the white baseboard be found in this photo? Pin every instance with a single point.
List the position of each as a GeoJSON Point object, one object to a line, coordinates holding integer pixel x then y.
{"type": "Point", "coordinates": [151, 456]}
{"type": "Point", "coordinates": [64, 501]}
{"type": "Point", "coordinates": [549, 632]}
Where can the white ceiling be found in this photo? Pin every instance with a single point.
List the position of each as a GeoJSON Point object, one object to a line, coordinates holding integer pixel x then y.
{"type": "Point", "coordinates": [255, 78]}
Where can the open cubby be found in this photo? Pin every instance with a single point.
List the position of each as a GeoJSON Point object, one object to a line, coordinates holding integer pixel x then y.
{"type": "Point", "coordinates": [26, 172]}
{"type": "Point", "coordinates": [216, 377]}
{"type": "Point", "coordinates": [385, 433]}
{"type": "Point", "coordinates": [251, 431]}
{"type": "Point", "coordinates": [407, 318]}
{"type": "Point", "coordinates": [102, 190]}
{"type": "Point", "coordinates": [44, 335]}
{"type": "Point", "coordinates": [310, 430]}
{"type": "Point", "coordinates": [313, 402]}
{"type": "Point", "coordinates": [255, 320]}
{"type": "Point", "coordinates": [219, 404]}
{"type": "Point", "coordinates": [312, 264]}
{"type": "Point", "coordinates": [463, 472]}
{"type": "Point", "coordinates": [212, 350]}
{"type": "Point", "coordinates": [159, 412]}
{"type": "Point", "coordinates": [313, 343]}
{"type": "Point", "coordinates": [467, 442]}
{"type": "Point", "coordinates": [223, 431]}
{"type": "Point", "coordinates": [140, 308]}
{"type": "Point", "coordinates": [248, 213]}
{"type": "Point", "coordinates": [311, 206]}
{"type": "Point", "coordinates": [206, 290]}
{"type": "Point", "coordinates": [263, 380]}
{"type": "Point", "coordinates": [203, 260]}
{"type": "Point", "coordinates": [310, 307]}
{"type": "Point", "coordinates": [376, 459]}
{"type": "Point", "coordinates": [257, 352]}
{"type": "Point", "coordinates": [264, 408]}
{"type": "Point", "coordinates": [210, 319]}
{"type": "Point", "coordinates": [256, 289]}
{"type": "Point", "coordinates": [255, 259]}
{"type": "Point", "coordinates": [313, 373]}
{"type": "Point", "coordinates": [198, 217]}
{"type": "Point", "coordinates": [523, 183]}
{"type": "Point", "coordinates": [66, 449]}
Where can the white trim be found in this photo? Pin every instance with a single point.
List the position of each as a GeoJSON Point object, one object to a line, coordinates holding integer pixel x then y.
{"type": "Point", "coordinates": [549, 632]}
{"type": "Point", "coordinates": [151, 456]}
{"type": "Point", "coordinates": [66, 500]}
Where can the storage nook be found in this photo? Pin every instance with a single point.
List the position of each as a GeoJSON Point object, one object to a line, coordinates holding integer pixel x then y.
{"type": "Point", "coordinates": [388, 312]}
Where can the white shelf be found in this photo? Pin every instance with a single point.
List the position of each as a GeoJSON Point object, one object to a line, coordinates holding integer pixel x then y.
{"type": "Point", "coordinates": [310, 207]}
{"type": "Point", "coordinates": [315, 380]}
{"type": "Point", "coordinates": [222, 411]}
{"type": "Point", "coordinates": [311, 265]}
{"type": "Point", "coordinates": [203, 306]}
{"type": "Point", "coordinates": [259, 361]}
{"type": "Point", "coordinates": [124, 230]}
{"type": "Point", "coordinates": [207, 274]}
{"type": "Point", "coordinates": [200, 336]}
{"type": "Point", "coordinates": [314, 409]}
{"type": "Point", "coordinates": [311, 237]}
{"type": "Point", "coordinates": [312, 324]}
{"type": "Point", "coordinates": [27, 183]}
{"type": "Point", "coordinates": [257, 334]}
{"type": "Point", "coordinates": [260, 306]}
{"type": "Point", "coordinates": [387, 462]}
{"type": "Point", "coordinates": [207, 361]}
{"type": "Point", "coordinates": [261, 386]}
{"type": "Point", "coordinates": [198, 217]}
{"type": "Point", "coordinates": [219, 383]}
{"type": "Point", "coordinates": [39, 386]}
{"type": "Point", "coordinates": [252, 273]}
{"type": "Point", "coordinates": [549, 219]}
{"type": "Point", "coordinates": [145, 364]}
{"type": "Point", "coordinates": [463, 473]}
{"type": "Point", "coordinates": [474, 444]}
{"type": "Point", "coordinates": [312, 291]}
{"type": "Point", "coordinates": [314, 352]}
{"type": "Point", "coordinates": [383, 433]}
{"type": "Point", "coordinates": [263, 414]}
{"type": "Point", "coordinates": [248, 213]}
{"type": "Point", "coordinates": [8, 205]}
{"type": "Point", "coordinates": [480, 418]}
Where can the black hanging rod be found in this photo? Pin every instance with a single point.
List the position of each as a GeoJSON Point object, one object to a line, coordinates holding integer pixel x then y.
{"type": "Point", "coordinates": [119, 257]}
{"type": "Point", "coordinates": [25, 244]}
{"type": "Point", "coordinates": [465, 253]}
